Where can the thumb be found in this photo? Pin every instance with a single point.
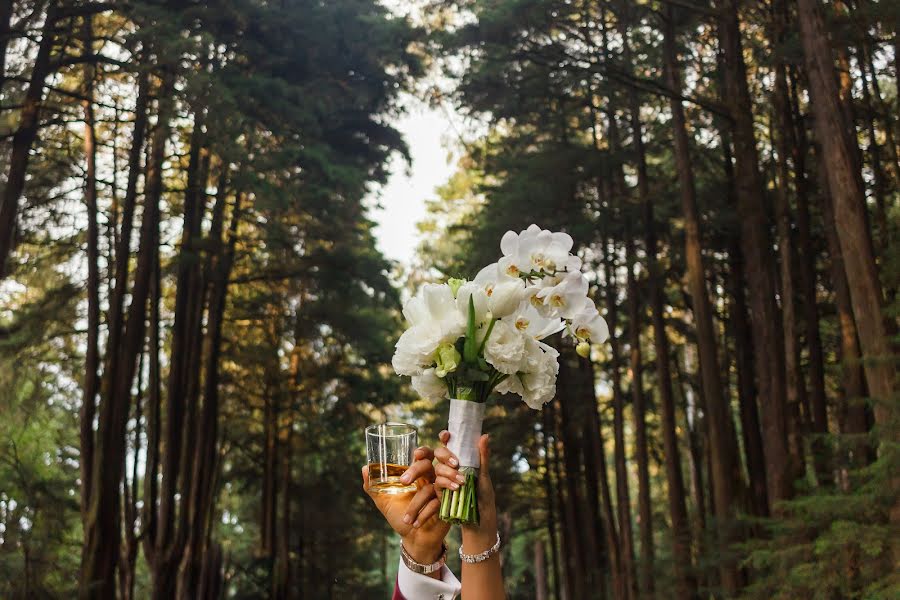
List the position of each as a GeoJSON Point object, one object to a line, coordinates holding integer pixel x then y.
{"type": "Point", "coordinates": [484, 453]}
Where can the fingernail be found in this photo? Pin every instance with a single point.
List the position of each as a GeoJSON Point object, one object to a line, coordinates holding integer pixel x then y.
{"type": "Point", "coordinates": [461, 478]}
{"type": "Point", "coordinates": [416, 524]}
{"type": "Point", "coordinates": [454, 486]}
{"type": "Point", "coordinates": [405, 478]}
{"type": "Point", "coordinates": [407, 519]}
{"type": "Point", "coordinates": [453, 462]}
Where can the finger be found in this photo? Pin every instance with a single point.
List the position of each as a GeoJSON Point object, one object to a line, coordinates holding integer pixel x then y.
{"type": "Point", "coordinates": [449, 473]}
{"type": "Point", "coordinates": [444, 437]}
{"type": "Point", "coordinates": [445, 483]}
{"type": "Point", "coordinates": [446, 457]}
{"type": "Point", "coordinates": [428, 511]}
{"type": "Point", "coordinates": [422, 497]}
{"type": "Point", "coordinates": [423, 453]}
{"type": "Point", "coordinates": [421, 468]}
{"type": "Point", "coordinates": [365, 478]}
{"type": "Point", "coordinates": [484, 452]}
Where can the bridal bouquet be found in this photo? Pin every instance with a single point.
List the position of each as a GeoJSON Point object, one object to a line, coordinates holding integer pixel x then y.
{"type": "Point", "coordinates": [470, 339]}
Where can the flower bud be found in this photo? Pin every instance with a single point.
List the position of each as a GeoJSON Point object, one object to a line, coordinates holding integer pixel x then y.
{"type": "Point", "coordinates": [455, 284]}
{"type": "Point", "coordinates": [446, 359]}
{"type": "Point", "coordinates": [583, 349]}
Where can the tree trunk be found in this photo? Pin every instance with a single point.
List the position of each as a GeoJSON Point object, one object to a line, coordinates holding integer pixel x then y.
{"type": "Point", "coordinates": [623, 498]}
{"type": "Point", "coordinates": [540, 570]}
{"type": "Point", "coordinates": [24, 137]}
{"type": "Point", "coordinates": [6, 10]}
{"type": "Point", "coordinates": [551, 508]}
{"type": "Point", "coordinates": [795, 383]}
{"type": "Point", "coordinates": [807, 271]}
{"type": "Point", "coordinates": [849, 208]}
{"type": "Point", "coordinates": [99, 554]}
{"type": "Point", "coordinates": [722, 458]}
{"type": "Point", "coordinates": [566, 544]}
{"type": "Point", "coordinates": [852, 416]}
{"type": "Point", "coordinates": [757, 253]}
{"type": "Point", "coordinates": [92, 352]}
{"type": "Point", "coordinates": [639, 409]}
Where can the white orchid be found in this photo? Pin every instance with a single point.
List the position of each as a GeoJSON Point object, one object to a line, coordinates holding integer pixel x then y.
{"type": "Point", "coordinates": [504, 292]}
{"type": "Point", "coordinates": [567, 298]}
{"type": "Point", "coordinates": [528, 320]}
{"type": "Point", "coordinates": [537, 250]}
{"type": "Point", "coordinates": [588, 325]}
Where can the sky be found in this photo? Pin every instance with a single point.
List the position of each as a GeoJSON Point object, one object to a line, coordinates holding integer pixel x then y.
{"type": "Point", "coordinates": [430, 133]}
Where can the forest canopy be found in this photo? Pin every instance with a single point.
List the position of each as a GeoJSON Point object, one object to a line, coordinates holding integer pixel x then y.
{"type": "Point", "coordinates": [196, 321]}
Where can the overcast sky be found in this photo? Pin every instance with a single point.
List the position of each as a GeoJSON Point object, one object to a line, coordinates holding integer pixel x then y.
{"type": "Point", "coordinates": [431, 137]}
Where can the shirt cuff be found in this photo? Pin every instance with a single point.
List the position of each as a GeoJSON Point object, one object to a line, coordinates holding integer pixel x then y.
{"type": "Point", "coordinates": [415, 586]}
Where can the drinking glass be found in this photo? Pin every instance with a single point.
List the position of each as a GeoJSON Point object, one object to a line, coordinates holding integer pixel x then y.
{"type": "Point", "coordinates": [389, 452]}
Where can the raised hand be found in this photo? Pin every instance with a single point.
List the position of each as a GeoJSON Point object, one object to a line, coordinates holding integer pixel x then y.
{"type": "Point", "coordinates": [413, 515]}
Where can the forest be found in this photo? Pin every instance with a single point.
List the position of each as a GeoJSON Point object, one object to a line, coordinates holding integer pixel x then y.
{"type": "Point", "coordinates": [196, 321]}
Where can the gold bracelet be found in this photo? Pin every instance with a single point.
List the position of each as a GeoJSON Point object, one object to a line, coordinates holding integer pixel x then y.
{"type": "Point", "coordinates": [417, 567]}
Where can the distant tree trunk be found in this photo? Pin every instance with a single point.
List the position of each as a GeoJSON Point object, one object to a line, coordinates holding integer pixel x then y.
{"type": "Point", "coordinates": [92, 351]}
{"type": "Point", "coordinates": [852, 416]}
{"type": "Point", "coordinates": [723, 461]}
{"type": "Point", "coordinates": [568, 496]}
{"type": "Point", "coordinates": [540, 570]}
{"type": "Point", "coordinates": [24, 137]}
{"type": "Point", "coordinates": [623, 498]}
{"type": "Point", "coordinates": [565, 570]}
{"type": "Point", "coordinates": [100, 554]}
{"type": "Point", "coordinates": [202, 492]}
{"type": "Point", "coordinates": [6, 10]}
{"type": "Point", "coordinates": [154, 419]}
{"type": "Point", "coordinates": [757, 253]}
{"type": "Point", "coordinates": [551, 508]}
{"type": "Point", "coordinates": [594, 529]}
{"type": "Point", "coordinates": [807, 271]}
{"type": "Point", "coordinates": [639, 409]}
{"type": "Point", "coordinates": [795, 384]}
{"type": "Point", "coordinates": [849, 208]}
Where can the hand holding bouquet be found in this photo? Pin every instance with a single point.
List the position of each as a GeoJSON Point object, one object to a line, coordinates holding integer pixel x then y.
{"type": "Point", "coordinates": [470, 339]}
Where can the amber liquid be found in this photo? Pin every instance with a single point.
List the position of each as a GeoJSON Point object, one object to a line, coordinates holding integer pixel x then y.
{"type": "Point", "coordinates": [385, 479]}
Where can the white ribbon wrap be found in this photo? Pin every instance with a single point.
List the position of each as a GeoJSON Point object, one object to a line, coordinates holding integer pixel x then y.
{"type": "Point", "coordinates": [464, 425]}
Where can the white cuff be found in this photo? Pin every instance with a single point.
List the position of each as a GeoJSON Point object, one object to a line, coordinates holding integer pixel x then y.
{"type": "Point", "coordinates": [415, 586]}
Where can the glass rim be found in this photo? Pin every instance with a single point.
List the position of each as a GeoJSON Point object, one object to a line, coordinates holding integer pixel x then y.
{"type": "Point", "coordinates": [373, 430]}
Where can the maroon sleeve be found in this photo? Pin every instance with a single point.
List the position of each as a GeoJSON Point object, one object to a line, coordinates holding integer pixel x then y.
{"type": "Point", "coordinates": [397, 595]}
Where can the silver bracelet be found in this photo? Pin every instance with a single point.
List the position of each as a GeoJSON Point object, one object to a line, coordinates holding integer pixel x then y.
{"type": "Point", "coordinates": [417, 567]}
{"type": "Point", "coordinates": [481, 556]}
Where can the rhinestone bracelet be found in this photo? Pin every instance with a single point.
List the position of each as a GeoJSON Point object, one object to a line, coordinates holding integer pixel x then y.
{"type": "Point", "coordinates": [482, 556]}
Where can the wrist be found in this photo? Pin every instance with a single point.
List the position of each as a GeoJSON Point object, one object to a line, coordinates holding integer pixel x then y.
{"type": "Point", "coordinates": [425, 553]}
{"type": "Point", "coordinates": [478, 539]}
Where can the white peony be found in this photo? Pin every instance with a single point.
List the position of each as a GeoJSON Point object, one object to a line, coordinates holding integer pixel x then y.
{"type": "Point", "coordinates": [429, 386]}
{"type": "Point", "coordinates": [505, 348]}
{"type": "Point", "coordinates": [537, 250]}
{"type": "Point", "coordinates": [434, 320]}
{"type": "Point", "coordinates": [504, 292]}
{"type": "Point", "coordinates": [539, 384]}
{"type": "Point", "coordinates": [510, 385]}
